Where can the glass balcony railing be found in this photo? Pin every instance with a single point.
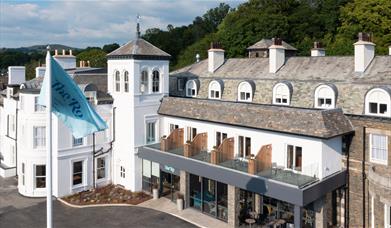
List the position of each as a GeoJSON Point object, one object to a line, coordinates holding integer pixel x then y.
{"type": "Point", "coordinates": [306, 176]}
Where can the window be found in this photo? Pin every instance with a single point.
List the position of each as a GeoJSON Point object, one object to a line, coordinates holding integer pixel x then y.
{"type": "Point", "coordinates": [101, 168]}
{"type": "Point", "coordinates": [23, 172]}
{"type": "Point", "coordinates": [40, 176]}
{"type": "Point", "coordinates": [155, 81]}
{"type": "Point", "coordinates": [220, 138]}
{"type": "Point", "coordinates": [379, 150]}
{"type": "Point", "coordinates": [77, 176]}
{"type": "Point", "coordinates": [77, 141]}
{"type": "Point", "coordinates": [377, 102]}
{"type": "Point", "coordinates": [244, 146]}
{"type": "Point", "coordinates": [173, 127]}
{"type": "Point", "coordinates": [151, 132]}
{"type": "Point", "coordinates": [281, 94]}
{"type": "Point", "coordinates": [144, 82]}
{"type": "Point", "coordinates": [126, 79]}
{"type": "Point", "coordinates": [117, 81]}
{"type": "Point", "coordinates": [294, 157]}
{"type": "Point", "coordinates": [245, 92]}
{"type": "Point", "coordinates": [122, 172]}
{"type": "Point", "coordinates": [37, 107]}
{"type": "Point", "coordinates": [191, 133]}
{"type": "Point", "coordinates": [39, 137]}
{"type": "Point", "coordinates": [214, 90]}
{"type": "Point", "coordinates": [191, 88]}
{"type": "Point", "coordinates": [180, 82]}
{"type": "Point", "coordinates": [324, 97]}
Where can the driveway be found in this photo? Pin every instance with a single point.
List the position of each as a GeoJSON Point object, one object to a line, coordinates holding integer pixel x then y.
{"type": "Point", "coordinates": [18, 211]}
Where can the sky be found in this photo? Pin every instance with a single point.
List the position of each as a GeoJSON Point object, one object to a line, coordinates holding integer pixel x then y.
{"type": "Point", "coordinates": [82, 23]}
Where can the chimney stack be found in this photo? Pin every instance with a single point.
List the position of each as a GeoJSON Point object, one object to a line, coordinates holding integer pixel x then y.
{"type": "Point", "coordinates": [63, 51]}
{"type": "Point", "coordinates": [215, 57]}
{"type": "Point", "coordinates": [318, 50]}
{"type": "Point", "coordinates": [364, 52]}
{"type": "Point", "coordinates": [56, 52]}
{"type": "Point", "coordinates": [276, 55]}
{"type": "Point", "coordinates": [70, 51]}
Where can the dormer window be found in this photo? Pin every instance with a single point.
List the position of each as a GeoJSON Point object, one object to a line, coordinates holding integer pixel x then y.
{"type": "Point", "coordinates": [377, 102]}
{"type": "Point", "coordinates": [117, 81]}
{"type": "Point", "coordinates": [325, 97]}
{"type": "Point", "coordinates": [144, 82]}
{"type": "Point", "coordinates": [245, 92]}
{"type": "Point", "coordinates": [155, 81]}
{"type": "Point", "coordinates": [282, 94]}
{"type": "Point", "coordinates": [126, 80]}
{"type": "Point", "coordinates": [215, 90]}
{"type": "Point", "coordinates": [191, 88]}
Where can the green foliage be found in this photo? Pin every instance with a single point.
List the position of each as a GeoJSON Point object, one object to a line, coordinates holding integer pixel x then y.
{"type": "Point", "coordinates": [110, 47]}
{"type": "Point", "coordinates": [96, 56]}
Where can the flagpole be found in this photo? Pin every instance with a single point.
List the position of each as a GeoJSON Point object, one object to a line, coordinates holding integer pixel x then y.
{"type": "Point", "coordinates": [49, 203]}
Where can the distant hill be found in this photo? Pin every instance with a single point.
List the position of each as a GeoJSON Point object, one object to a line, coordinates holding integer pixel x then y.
{"type": "Point", "coordinates": [38, 48]}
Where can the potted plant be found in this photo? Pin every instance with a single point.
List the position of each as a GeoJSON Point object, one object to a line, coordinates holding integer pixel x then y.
{"type": "Point", "coordinates": [155, 191]}
{"type": "Point", "coordinates": [179, 201]}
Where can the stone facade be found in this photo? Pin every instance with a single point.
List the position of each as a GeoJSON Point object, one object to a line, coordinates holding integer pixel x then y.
{"type": "Point", "coordinates": [233, 206]}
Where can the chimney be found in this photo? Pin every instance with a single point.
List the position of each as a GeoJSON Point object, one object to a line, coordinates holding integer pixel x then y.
{"type": "Point", "coordinates": [16, 75]}
{"type": "Point", "coordinates": [56, 52]}
{"type": "Point", "coordinates": [215, 57]}
{"type": "Point", "coordinates": [70, 51]}
{"type": "Point", "coordinates": [389, 50]}
{"type": "Point", "coordinates": [63, 51]}
{"type": "Point", "coordinates": [364, 52]}
{"type": "Point", "coordinates": [88, 63]}
{"type": "Point", "coordinates": [276, 55]}
{"type": "Point", "coordinates": [40, 71]}
{"type": "Point", "coordinates": [318, 50]}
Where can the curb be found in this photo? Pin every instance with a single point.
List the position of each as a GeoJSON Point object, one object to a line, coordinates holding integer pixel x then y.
{"type": "Point", "coordinates": [125, 205]}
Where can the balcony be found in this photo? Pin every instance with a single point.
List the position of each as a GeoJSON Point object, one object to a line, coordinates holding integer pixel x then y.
{"type": "Point", "coordinates": [255, 173]}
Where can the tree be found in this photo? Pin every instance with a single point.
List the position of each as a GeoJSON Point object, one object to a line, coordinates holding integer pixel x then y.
{"type": "Point", "coordinates": [110, 47]}
{"type": "Point", "coordinates": [96, 56]}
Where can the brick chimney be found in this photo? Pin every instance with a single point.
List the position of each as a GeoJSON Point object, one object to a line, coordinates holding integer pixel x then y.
{"type": "Point", "coordinates": [276, 55]}
{"type": "Point", "coordinates": [318, 50]}
{"type": "Point", "coordinates": [215, 57]}
{"type": "Point", "coordinates": [364, 52]}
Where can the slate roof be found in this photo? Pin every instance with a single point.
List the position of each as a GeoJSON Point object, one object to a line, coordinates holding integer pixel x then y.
{"type": "Point", "coordinates": [300, 121]}
{"type": "Point", "coordinates": [266, 43]}
{"type": "Point", "coordinates": [138, 48]}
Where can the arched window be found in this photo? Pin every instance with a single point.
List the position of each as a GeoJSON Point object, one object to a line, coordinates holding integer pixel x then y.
{"type": "Point", "coordinates": [325, 97]}
{"type": "Point", "coordinates": [191, 88]}
{"type": "Point", "coordinates": [144, 82]}
{"type": "Point", "coordinates": [377, 102]}
{"type": "Point", "coordinates": [117, 81]}
{"type": "Point", "coordinates": [245, 92]}
{"type": "Point", "coordinates": [155, 81]}
{"type": "Point", "coordinates": [281, 94]}
{"type": "Point", "coordinates": [126, 79]}
{"type": "Point", "coordinates": [214, 90]}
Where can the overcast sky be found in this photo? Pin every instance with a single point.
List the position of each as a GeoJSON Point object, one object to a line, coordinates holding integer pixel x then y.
{"type": "Point", "coordinates": [82, 23]}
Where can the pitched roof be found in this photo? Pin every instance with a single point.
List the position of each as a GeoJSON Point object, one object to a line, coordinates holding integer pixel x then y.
{"type": "Point", "coordinates": [300, 121]}
{"type": "Point", "coordinates": [266, 43]}
{"type": "Point", "coordinates": [139, 48]}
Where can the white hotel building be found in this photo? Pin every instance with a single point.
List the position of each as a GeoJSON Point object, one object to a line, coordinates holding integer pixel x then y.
{"type": "Point", "coordinates": [272, 134]}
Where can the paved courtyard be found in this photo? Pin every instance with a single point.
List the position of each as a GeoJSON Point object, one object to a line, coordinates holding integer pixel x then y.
{"type": "Point", "coordinates": [18, 211]}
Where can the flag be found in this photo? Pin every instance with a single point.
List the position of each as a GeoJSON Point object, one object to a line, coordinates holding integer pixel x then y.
{"type": "Point", "coordinates": [69, 103]}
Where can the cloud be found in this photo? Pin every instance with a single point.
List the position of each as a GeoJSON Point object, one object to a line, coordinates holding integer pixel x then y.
{"type": "Point", "coordinates": [91, 23]}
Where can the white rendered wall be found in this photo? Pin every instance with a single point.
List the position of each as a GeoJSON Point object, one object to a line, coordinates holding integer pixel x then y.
{"type": "Point", "coordinates": [8, 144]}
{"type": "Point", "coordinates": [315, 151]}
{"type": "Point", "coordinates": [66, 62]}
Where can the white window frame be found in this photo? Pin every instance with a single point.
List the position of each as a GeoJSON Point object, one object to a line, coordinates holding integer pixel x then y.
{"type": "Point", "coordinates": [191, 88]}
{"type": "Point", "coordinates": [38, 107]}
{"type": "Point", "coordinates": [373, 97]}
{"type": "Point", "coordinates": [293, 158]}
{"type": "Point", "coordinates": [104, 168]}
{"type": "Point", "coordinates": [154, 83]}
{"type": "Point", "coordinates": [245, 89]}
{"type": "Point", "coordinates": [23, 172]}
{"type": "Point", "coordinates": [214, 90]}
{"type": "Point", "coordinates": [83, 173]}
{"type": "Point", "coordinates": [150, 125]}
{"type": "Point", "coordinates": [35, 176]}
{"type": "Point", "coordinates": [126, 81]}
{"type": "Point", "coordinates": [122, 172]}
{"type": "Point", "coordinates": [376, 160]}
{"type": "Point", "coordinates": [284, 94]}
{"type": "Point", "coordinates": [76, 142]}
{"type": "Point", "coordinates": [244, 145]}
{"type": "Point", "coordinates": [39, 142]}
{"type": "Point", "coordinates": [117, 81]}
{"type": "Point", "coordinates": [144, 81]}
{"type": "Point", "coordinates": [190, 133]}
{"type": "Point", "coordinates": [324, 92]}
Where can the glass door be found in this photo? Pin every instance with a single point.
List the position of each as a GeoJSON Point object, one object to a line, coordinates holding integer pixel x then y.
{"type": "Point", "coordinates": [170, 185]}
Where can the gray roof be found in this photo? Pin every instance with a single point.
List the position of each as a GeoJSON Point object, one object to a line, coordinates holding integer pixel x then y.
{"type": "Point", "coordinates": [300, 121]}
{"type": "Point", "coordinates": [304, 73]}
{"type": "Point", "coordinates": [266, 43]}
{"type": "Point", "coordinates": [139, 48]}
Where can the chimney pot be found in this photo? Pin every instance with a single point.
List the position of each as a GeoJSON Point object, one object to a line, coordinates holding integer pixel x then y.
{"type": "Point", "coordinates": [88, 63]}
{"type": "Point", "coordinates": [56, 52]}
{"type": "Point", "coordinates": [389, 50]}
{"type": "Point", "coordinates": [277, 41]}
{"type": "Point", "coordinates": [318, 50]}
{"type": "Point", "coordinates": [362, 36]}
{"type": "Point", "coordinates": [63, 51]}
{"type": "Point", "coordinates": [70, 51]}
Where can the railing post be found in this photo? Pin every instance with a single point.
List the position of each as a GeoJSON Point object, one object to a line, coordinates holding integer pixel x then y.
{"type": "Point", "coordinates": [252, 165]}
{"type": "Point", "coordinates": [164, 143]}
{"type": "Point", "coordinates": [214, 156]}
{"type": "Point", "coordinates": [187, 150]}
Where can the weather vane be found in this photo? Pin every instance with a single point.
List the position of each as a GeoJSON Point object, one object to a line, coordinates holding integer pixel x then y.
{"type": "Point", "coordinates": [138, 26]}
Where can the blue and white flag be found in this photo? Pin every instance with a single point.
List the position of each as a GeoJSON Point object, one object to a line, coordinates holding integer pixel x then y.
{"type": "Point", "coordinates": [69, 103]}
